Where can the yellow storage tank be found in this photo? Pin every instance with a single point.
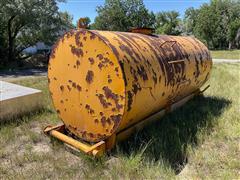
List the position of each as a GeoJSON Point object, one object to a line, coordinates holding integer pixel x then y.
{"type": "Point", "coordinates": [103, 82]}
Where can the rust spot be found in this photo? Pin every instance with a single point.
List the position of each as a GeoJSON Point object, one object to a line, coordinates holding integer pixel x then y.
{"type": "Point", "coordinates": [114, 49]}
{"type": "Point", "coordinates": [91, 60]}
{"type": "Point", "coordinates": [74, 85]}
{"type": "Point", "coordinates": [100, 65]}
{"type": "Point", "coordinates": [163, 93]}
{"type": "Point", "coordinates": [78, 63]}
{"type": "Point", "coordinates": [141, 71]}
{"type": "Point", "coordinates": [111, 63]}
{"type": "Point", "coordinates": [129, 52]}
{"type": "Point", "coordinates": [69, 88]}
{"type": "Point", "coordinates": [100, 56]}
{"type": "Point", "coordinates": [58, 111]}
{"type": "Point", "coordinates": [84, 38]}
{"type": "Point", "coordinates": [77, 39]}
{"type": "Point", "coordinates": [121, 97]}
{"type": "Point", "coordinates": [61, 101]}
{"type": "Point", "coordinates": [89, 77]}
{"type": "Point", "coordinates": [76, 51]}
{"type": "Point", "coordinates": [87, 106]}
{"type": "Point", "coordinates": [103, 101]}
{"type": "Point", "coordinates": [123, 70]}
{"type": "Point", "coordinates": [103, 121]}
{"type": "Point", "coordinates": [109, 79]}
{"type": "Point", "coordinates": [136, 88]}
{"type": "Point", "coordinates": [70, 81]}
{"type": "Point", "coordinates": [90, 110]}
{"type": "Point", "coordinates": [62, 88]}
{"type": "Point", "coordinates": [96, 121]}
{"type": "Point", "coordinates": [130, 100]}
{"type": "Point", "coordinates": [55, 78]}
{"type": "Point", "coordinates": [116, 118]}
{"type": "Point", "coordinates": [110, 95]}
{"type": "Point", "coordinates": [101, 113]}
{"type": "Point", "coordinates": [79, 88]}
{"type": "Point", "coordinates": [108, 121]}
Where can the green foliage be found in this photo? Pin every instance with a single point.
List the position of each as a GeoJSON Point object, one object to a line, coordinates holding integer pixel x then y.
{"type": "Point", "coordinates": [216, 23]}
{"type": "Point", "coordinates": [167, 23]}
{"type": "Point", "coordinates": [121, 15]}
{"type": "Point", "coordinates": [190, 20]}
{"type": "Point", "coordinates": [25, 22]}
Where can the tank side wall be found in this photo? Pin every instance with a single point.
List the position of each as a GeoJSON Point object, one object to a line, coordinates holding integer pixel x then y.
{"type": "Point", "coordinates": [159, 70]}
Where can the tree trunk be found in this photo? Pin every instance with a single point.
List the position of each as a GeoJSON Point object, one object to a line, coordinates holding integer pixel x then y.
{"type": "Point", "coordinates": [10, 40]}
{"type": "Point", "coordinates": [230, 45]}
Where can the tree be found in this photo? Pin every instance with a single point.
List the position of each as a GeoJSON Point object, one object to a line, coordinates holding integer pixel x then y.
{"type": "Point", "coordinates": [26, 22]}
{"type": "Point", "coordinates": [216, 23]}
{"type": "Point", "coordinates": [121, 15]}
{"type": "Point", "coordinates": [167, 22]}
{"type": "Point", "coordinates": [190, 20]}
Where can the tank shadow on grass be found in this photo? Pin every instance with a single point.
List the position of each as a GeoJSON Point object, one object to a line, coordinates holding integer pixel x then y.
{"type": "Point", "coordinates": [170, 137]}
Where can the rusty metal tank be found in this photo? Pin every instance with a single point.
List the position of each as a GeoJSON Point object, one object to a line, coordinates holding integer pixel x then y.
{"type": "Point", "coordinates": [102, 82]}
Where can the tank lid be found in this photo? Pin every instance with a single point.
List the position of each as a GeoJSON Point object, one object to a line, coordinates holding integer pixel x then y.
{"type": "Point", "coordinates": [142, 30]}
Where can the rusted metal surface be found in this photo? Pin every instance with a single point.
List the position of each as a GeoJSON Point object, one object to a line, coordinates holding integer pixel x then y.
{"type": "Point", "coordinates": [147, 31]}
{"type": "Point", "coordinates": [102, 82]}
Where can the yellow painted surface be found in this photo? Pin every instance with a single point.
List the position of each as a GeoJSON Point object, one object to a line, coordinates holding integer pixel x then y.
{"type": "Point", "coordinates": [102, 82]}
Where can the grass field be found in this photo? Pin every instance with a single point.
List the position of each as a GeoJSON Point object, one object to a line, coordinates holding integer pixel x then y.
{"type": "Point", "coordinates": [201, 140]}
{"type": "Point", "coordinates": [226, 54]}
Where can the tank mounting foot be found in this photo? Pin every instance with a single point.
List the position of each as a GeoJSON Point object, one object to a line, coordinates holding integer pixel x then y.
{"type": "Point", "coordinates": [96, 150]}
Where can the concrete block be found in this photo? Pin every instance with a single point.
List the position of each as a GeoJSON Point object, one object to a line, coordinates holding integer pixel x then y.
{"type": "Point", "coordinates": [16, 100]}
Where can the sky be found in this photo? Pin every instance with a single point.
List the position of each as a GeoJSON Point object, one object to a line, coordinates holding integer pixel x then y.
{"type": "Point", "coordinates": [83, 8]}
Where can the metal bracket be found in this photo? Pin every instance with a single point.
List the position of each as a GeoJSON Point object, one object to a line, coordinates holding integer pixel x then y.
{"type": "Point", "coordinates": [202, 91]}
{"type": "Point", "coordinates": [58, 132]}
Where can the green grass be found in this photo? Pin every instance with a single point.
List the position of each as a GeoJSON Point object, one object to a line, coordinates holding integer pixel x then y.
{"type": "Point", "coordinates": [226, 54]}
{"type": "Point", "coordinates": [198, 141]}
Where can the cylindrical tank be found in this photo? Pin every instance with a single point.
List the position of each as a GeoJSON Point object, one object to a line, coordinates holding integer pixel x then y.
{"type": "Point", "coordinates": [102, 82]}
